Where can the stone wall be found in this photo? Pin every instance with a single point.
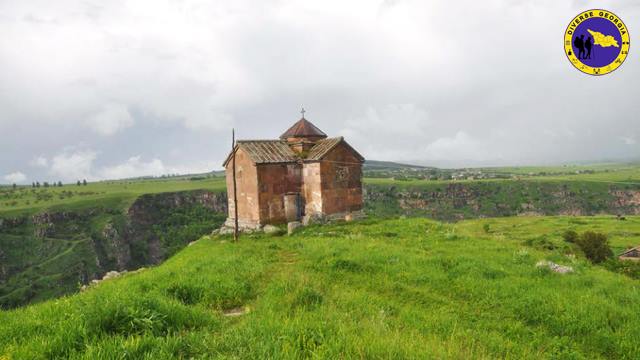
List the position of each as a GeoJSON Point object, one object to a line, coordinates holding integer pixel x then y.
{"type": "Point", "coordinates": [247, 193]}
{"type": "Point", "coordinates": [341, 174]}
{"type": "Point", "coordinates": [312, 188]}
{"type": "Point", "coordinates": [275, 181]}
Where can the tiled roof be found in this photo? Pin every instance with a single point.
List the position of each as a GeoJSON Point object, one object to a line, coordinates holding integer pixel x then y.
{"type": "Point", "coordinates": [265, 151]}
{"type": "Point", "coordinates": [323, 146]}
{"type": "Point", "coordinates": [303, 128]}
{"type": "Point", "coordinates": [278, 151]}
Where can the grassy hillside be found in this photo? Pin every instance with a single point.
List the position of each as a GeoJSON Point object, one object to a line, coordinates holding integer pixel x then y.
{"type": "Point", "coordinates": [409, 288]}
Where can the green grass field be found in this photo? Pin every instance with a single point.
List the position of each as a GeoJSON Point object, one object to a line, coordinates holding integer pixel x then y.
{"type": "Point", "coordinates": [629, 175]}
{"type": "Point", "coordinates": [412, 288]}
{"type": "Point", "coordinates": [118, 194]}
{"type": "Point", "coordinates": [602, 173]}
{"type": "Point", "coordinates": [572, 168]}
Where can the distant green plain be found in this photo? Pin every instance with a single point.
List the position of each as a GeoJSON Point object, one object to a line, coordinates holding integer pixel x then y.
{"type": "Point", "coordinates": [110, 194]}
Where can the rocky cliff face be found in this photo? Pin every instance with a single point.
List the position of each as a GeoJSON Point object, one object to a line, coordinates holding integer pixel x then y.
{"type": "Point", "coordinates": [78, 246]}
{"type": "Point", "coordinates": [45, 223]}
{"type": "Point", "coordinates": [132, 241]}
{"type": "Point", "coordinates": [629, 200]}
{"type": "Point", "coordinates": [456, 201]}
{"type": "Point", "coordinates": [150, 210]}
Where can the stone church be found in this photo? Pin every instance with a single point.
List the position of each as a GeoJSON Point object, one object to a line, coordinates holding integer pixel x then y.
{"type": "Point", "coordinates": [302, 176]}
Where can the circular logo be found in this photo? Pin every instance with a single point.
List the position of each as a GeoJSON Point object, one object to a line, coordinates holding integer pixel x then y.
{"type": "Point", "coordinates": [596, 42]}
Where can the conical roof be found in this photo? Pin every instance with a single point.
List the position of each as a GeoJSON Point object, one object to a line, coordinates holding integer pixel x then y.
{"type": "Point", "coordinates": [303, 128]}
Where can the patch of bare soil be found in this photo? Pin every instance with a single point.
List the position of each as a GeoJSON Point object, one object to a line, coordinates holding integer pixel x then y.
{"type": "Point", "coordinates": [237, 311]}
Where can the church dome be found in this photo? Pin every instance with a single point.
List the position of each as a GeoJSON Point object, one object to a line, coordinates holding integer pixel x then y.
{"type": "Point", "coordinates": [303, 129]}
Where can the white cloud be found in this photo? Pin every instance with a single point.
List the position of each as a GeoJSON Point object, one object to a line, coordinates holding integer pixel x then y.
{"type": "Point", "coordinates": [72, 166]}
{"type": "Point", "coordinates": [459, 147]}
{"type": "Point", "coordinates": [403, 125]}
{"type": "Point", "coordinates": [39, 161]}
{"type": "Point", "coordinates": [628, 140]}
{"type": "Point", "coordinates": [208, 120]}
{"type": "Point", "coordinates": [111, 119]}
{"type": "Point", "coordinates": [168, 74]}
{"type": "Point", "coordinates": [15, 178]}
{"type": "Point", "coordinates": [134, 167]}
{"type": "Point", "coordinates": [408, 132]}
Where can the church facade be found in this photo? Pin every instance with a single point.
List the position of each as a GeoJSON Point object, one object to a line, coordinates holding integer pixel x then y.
{"type": "Point", "coordinates": [301, 176]}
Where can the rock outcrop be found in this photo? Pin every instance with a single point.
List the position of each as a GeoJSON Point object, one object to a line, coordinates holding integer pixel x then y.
{"type": "Point", "coordinates": [457, 201]}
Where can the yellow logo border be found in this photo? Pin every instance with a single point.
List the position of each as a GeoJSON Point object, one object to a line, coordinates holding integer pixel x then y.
{"type": "Point", "coordinates": [624, 47]}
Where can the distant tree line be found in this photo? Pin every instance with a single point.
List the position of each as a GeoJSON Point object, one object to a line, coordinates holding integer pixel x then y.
{"type": "Point", "coordinates": [46, 184]}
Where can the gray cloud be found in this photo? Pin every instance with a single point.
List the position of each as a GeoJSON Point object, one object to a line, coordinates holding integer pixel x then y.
{"type": "Point", "coordinates": [144, 86]}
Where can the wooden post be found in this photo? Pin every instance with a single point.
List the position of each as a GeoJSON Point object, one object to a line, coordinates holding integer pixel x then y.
{"type": "Point", "coordinates": [235, 193]}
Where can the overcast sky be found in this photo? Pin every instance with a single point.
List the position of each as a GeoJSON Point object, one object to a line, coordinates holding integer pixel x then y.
{"type": "Point", "coordinates": [110, 89]}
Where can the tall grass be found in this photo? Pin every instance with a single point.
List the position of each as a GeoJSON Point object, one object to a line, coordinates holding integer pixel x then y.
{"type": "Point", "coordinates": [374, 289]}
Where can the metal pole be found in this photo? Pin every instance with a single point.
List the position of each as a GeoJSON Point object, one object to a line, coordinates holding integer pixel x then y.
{"type": "Point", "coordinates": [235, 193]}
